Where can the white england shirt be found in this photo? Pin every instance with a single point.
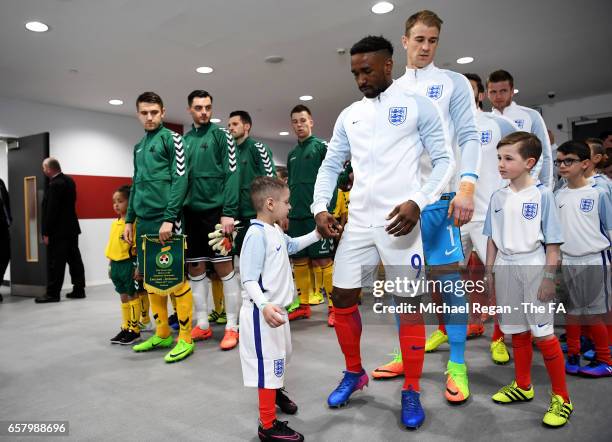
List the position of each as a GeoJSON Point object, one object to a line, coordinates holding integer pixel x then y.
{"type": "Point", "coordinates": [521, 222]}
{"type": "Point", "coordinates": [586, 214]}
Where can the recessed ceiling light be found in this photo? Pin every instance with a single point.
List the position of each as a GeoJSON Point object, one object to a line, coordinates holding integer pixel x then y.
{"type": "Point", "coordinates": [215, 120]}
{"type": "Point", "coordinates": [306, 97]}
{"type": "Point", "coordinates": [36, 26]}
{"type": "Point", "coordinates": [516, 91]}
{"type": "Point", "coordinates": [283, 134]}
{"type": "Point", "coordinates": [274, 59]}
{"type": "Point", "coordinates": [115, 102]}
{"type": "Point", "coordinates": [204, 70]}
{"type": "Point", "coordinates": [382, 7]}
{"type": "Point", "coordinates": [465, 60]}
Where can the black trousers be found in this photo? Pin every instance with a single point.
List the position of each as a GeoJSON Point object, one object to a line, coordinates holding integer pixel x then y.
{"type": "Point", "coordinates": [5, 252]}
{"type": "Point", "coordinates": [62, 251]}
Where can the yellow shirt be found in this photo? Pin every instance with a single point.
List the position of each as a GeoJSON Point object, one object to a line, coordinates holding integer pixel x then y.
{"type": "Point", "coordinates": [342, 204]}
{"type": "Point", "coordinates": [117, 249]}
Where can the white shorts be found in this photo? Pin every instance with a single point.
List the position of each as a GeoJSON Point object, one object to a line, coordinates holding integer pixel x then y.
{"type": "Point", "coordinates": [264, 351]}
{"type": "Point", "coordinates": [517, 280]}
{"type": "Point", "coordinates": [472, 238]}
{"type": "Point", "coordinates": [588, 284]}
{"type": "Point", "coordinates": [361, 250]}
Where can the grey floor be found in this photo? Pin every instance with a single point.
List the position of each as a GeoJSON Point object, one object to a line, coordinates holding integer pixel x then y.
{"type": "Point", "coordinates": [56, 364]}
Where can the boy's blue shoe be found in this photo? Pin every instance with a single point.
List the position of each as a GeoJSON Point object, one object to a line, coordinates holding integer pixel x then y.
{"type": "Point", "coordinates": [596, 369]}
{"type": "Point", "coordinates": [572, 365]}
{"type": "Point", "coordinates": [590, 355]}
{"type": "Point", "coordinates": [413, 415]}
{"type": "Point", "coordinates": [350, 383]}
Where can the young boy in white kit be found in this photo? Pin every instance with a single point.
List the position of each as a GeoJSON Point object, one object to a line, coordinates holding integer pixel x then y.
{"type": "Point", "coordinates": [265, 344]}
{"type": "Point", "coordinates": [585, 210]}
{"type": "Point", "coordinates": [524, 233]}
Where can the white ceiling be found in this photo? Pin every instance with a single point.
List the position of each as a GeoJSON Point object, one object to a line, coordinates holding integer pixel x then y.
{"type": "Point", "coordinates": [123, 47]}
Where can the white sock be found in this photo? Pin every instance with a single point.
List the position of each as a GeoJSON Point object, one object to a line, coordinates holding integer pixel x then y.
{"type": "Point", "coordinates": [231, 290]}
{"type": "Point", "coordinates": [199, 288]}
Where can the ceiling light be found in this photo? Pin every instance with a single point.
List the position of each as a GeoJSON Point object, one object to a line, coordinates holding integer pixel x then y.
{"type": "Point", "coordinates": [273, 59]}
{"type": "Point", "coordinates": [516, 91]}
{"type": "Point", "coordinates": [204, 70]}
{"type": "Point", "coordinates": [306, 97]}
{"type": "Point", "coordinates": [215, 120]}
{"type": "Point", "coordinates": [283, 134]}
{"type": "Point", "coordinates": [36, 26]}
{"type": "Point", "coordinates": [115, 102]}
{"type": "Point", "coordinates": [465, 60]}
{"type": "Point", "coordinates": [382, 7]}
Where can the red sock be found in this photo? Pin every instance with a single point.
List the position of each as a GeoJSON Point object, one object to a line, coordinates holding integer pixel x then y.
{"type": "Point", "coordinates": [523, 353]}
{"type": "Point", "coordinates": [555, 365]}
{"type": "Point", "coordinates": [572, 334]}
{"type": "Point", "coordinates": [497, 333]}
{"type": "Point", "coordinates": [442, 327]}
{"type": "Point", "coordinates": [599, 332]}
{"type": "Point", "coordinates": [609, 327]}
{"type": "Point", "coordinates": [412, 344]}
{"type": "Point", "coordinates": [348, 331]}
{"type": "Point", "coordinates": [267, 407]}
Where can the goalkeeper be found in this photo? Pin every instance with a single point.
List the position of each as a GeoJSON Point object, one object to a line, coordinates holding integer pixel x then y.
{"type": "Point", "coordinates": [212, 200]}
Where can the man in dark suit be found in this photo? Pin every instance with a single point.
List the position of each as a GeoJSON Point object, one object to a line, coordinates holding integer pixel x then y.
{"type": "Point", "coordinates": [60, 230]}
{"type": "Point", "coordinates": [5, 239]}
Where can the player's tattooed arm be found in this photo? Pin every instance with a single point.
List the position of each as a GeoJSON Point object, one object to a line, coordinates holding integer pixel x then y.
{"type": "Point", "coordinates": [403, 218]}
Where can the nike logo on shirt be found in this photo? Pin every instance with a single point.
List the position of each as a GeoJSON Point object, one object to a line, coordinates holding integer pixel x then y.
{"type": "Point", "coordinates": [448, 252]}
{"type": "Point", "coordinates": [498, 210]}
{"type": "Point", "coordinates": [355, 122]}
{"type": "Point", "coordinates": [278, 248]}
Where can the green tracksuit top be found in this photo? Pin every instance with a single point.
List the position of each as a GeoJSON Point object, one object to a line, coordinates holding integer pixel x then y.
{"type": "Point", "coordinates": [303, 165]}
{"type": "Point", "coordinates": [160, 177]}
{"type": "Point", "coordinates": [255, 160]}
{"type": "Point", "coordinates": [214, 173]}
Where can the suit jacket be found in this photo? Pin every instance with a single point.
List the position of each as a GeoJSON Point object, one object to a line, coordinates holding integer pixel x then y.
{"type": "Point", "coordinates": [5, 207]}
{"type": "Point", "coordinates": [59, 217]}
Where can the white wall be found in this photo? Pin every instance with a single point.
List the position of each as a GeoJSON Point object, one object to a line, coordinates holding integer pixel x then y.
{"type": "Point", "coordinates": [85, 143]}
{"type": "Point", "coordinates": [563, 111]}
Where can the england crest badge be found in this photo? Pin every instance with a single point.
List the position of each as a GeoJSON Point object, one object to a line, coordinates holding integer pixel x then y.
{"type": "Point", "coordinates": [586, 204]}
{"type": "Point", "coordinates": [434, 91]}
{"type": "Point", "coordinates": [485, 136]}
{"type": "Point", "coordinates": [530, 210]}
{"type": "Point", "coordinates": [279, 367]}
{"type": "Point", "coordinates": [397, 115]}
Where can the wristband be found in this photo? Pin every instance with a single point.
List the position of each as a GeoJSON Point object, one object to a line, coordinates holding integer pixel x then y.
{"type": "Point", "coordinates": [549, 275]}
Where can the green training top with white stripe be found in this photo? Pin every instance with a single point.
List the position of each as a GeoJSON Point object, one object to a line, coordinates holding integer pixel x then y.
{"type": "Point", "coordinates": [214, 173]}
{"type": "Point", "coordinates": [255, 160]}
{"type": "Point", "coordinates": [160, 178]}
